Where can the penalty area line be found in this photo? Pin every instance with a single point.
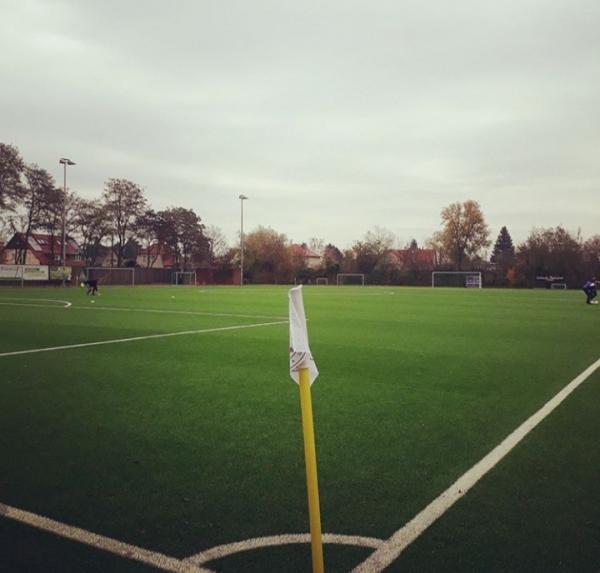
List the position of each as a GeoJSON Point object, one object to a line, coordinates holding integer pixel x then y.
{"type": "Point", "coordinates": [158, 560]}
{"type": "Point", "coordinates": [391, 548]}
{"type": "Point", "coordinates": [136, 338]}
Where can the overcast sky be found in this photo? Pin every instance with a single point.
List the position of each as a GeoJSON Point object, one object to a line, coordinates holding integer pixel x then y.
{"type": "Point", "coordinates": [331, 116]}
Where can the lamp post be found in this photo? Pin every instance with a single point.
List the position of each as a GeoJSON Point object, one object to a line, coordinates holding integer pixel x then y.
{"type": "Point", "coordinates": [64, 161]}
{"type": "Point", "coordinates": [242, 198]}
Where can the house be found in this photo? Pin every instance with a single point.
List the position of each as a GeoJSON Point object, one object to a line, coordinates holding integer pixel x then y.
{"type": "Point", "coordinates": [41, 249]}
{"type": "Point", "coordinates": [311, 259]}
{"type": "Point", "coordinates": [156, 256]}
{"type": "Point", "coordinates": [423, 259]}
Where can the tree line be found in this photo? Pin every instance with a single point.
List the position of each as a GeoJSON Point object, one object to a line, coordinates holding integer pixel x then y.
{"type": "Point", "coordinates": [30, 201]}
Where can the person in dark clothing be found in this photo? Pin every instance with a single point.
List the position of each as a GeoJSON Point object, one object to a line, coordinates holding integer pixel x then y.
{"type": "Point", "coordinates": [92, 285]}
{"type": "Point", "coordinates": [589, 288]}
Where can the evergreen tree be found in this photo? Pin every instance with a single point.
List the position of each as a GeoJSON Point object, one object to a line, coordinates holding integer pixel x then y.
{"type": "Point", "coordinates": [504, 249]}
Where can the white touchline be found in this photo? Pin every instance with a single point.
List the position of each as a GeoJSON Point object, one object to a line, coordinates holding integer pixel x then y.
{"type": "Point", "coordinates": [158, 560]}
{"type": "Point", "coordinates": [64, 303]}
{"type": "Point", "coordinates": [134, 338]}
{"type": "Point", "coordinates": [392, 547]}
{"type": "Point", "coordinates": [275, 541]}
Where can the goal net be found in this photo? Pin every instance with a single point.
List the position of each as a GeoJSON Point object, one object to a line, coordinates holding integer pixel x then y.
{"type": "Point", "coordinates": [348, 279]}
{"type": "Point", "coordinates": [469, 279]}
{"type": "Point", "coordinates": [112, 275]}
{"type": "Point", "coordinates": [322, 281]}
{"type": "Point", "coordinates": [185, 278]}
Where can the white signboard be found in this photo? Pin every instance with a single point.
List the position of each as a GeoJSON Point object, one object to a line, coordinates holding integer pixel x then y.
{"type": "Point", "coordinates": [26, 272]}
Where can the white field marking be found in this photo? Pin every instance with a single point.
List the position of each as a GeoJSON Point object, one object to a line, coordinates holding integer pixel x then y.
{"type": "Point", "coordinates": [64, 303]}
{"type": "Point", "coordinates": [401, 539]}
{"type": "Point", "coordinates": [158, 560]}
{"type": "Point", "coordinates": [135, 338]}
{"type": "Point", "coordinates": [168, 311]}
{"type": "Point", "coordinates": [276, 540]}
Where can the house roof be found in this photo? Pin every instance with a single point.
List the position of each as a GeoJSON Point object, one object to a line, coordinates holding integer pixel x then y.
{"type": "Point", "coordinates": [41, 246]}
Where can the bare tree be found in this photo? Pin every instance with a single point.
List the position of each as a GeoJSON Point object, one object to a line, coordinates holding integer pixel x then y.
{"type": "Point", "coordinates": [218, 242]}
{"type": "Point", "coordinates": [124, 202]}
{"type": "Point", "coordinates": [26, 216]}
{"type": "Point", "coordinates": [91, 226]}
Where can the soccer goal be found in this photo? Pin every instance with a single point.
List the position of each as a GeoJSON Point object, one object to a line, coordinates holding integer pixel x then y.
{"type": "Point", "coordinates": [348, 279]}
{"type": "Point", "coordinates": [469, 279]}
{"type": "Point", "coordinates": [112, 275]}
{"type": "Point", "coordinates": [558, 286]}
{"type": "Point", "coordinates": [322, 281]}
{"type": "Point", "coordinates": [185, 278]}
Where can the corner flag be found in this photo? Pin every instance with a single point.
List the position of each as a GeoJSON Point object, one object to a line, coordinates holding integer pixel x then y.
{"type": "Point", "coordinates": [303, 371]}
{"type": "Point", "coordinates": [300, 355]}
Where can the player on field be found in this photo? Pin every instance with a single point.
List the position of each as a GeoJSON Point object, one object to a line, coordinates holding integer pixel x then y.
{"type": "Point", "coordinates": [589, 288]}
{"type": "Point", "coordinates": [92, 285]}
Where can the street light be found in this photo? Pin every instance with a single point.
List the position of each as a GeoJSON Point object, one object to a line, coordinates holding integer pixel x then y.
{"type": "Point", "coordinates": [242, 198]}
{"type": "Point", "coordinates": [64, 161]}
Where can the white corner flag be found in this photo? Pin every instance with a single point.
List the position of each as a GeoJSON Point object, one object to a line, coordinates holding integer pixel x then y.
{"type": "Point", "coordinates": [300, 355]}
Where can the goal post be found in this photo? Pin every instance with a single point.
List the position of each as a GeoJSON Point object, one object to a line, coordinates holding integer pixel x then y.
{"type": "Point", "coordinates": [322, 281]}
{"type": "Point", "coordinates": [124, 276]}
{"type": "Point", "coordinates": [468, 279]}
{"type": "Point", "coordinates": [350, 279]}
{"type": "Point", "coordinates": [185, 278]}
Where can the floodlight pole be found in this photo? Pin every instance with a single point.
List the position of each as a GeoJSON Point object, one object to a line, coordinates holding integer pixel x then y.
{"type": "Point", "coordinates": [242, 198]}
{"type": "Point", "coordinates": [64, 161]}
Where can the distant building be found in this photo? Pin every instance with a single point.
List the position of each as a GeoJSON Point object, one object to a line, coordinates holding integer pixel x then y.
{"type": "Point", "coordinates": [310, 259]}
{"type": "Point", "coordinates": [155, 256]}
{"type": "Point", "coordinates": [41, 249]}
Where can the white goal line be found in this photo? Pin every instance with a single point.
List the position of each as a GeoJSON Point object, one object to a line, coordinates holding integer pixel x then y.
{"type": "Point", "coordinates": [136, 338]}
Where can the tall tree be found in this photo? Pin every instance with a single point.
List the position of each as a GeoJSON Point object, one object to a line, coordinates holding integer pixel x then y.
{"type": "Point", "coordinates": [464, 232]}
{"type": "Point", "coordinates": [503, 255]}
{"type": "Point", "coordinates": [148, 229]}
{"type": "Point", "coordinates": [124, 202]}
{"type": "Point", "coordinates": [91, 226]}
{"type": "Point", "coordinates": [183, 232]}
{"type": "Point", "coordinates": [12, 168]}
{"type": "Point", "coordinates": [39, 184]}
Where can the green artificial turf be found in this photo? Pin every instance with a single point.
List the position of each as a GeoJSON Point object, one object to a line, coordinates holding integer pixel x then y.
{"type": "Point", "coordinates": [180, 444]}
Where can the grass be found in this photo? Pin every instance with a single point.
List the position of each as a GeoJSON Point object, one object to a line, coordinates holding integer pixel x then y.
{"type": "Point", "coordinates": [181, 444]}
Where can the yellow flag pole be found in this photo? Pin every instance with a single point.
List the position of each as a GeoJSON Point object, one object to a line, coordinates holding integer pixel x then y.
{"type": "Point", "coordinates": [310, 460]}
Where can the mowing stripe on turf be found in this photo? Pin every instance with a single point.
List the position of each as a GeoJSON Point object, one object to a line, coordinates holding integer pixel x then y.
{"type": "Point", "coordinates": [401, 539]}
{"type": "Point", "coordinates": [158, 560]}
{"type": "Point", "coordinates": [136, 338]}
{"type": "Point", "coordinates": [275, 541]}
{"type": "Point", "coordinates": [193, 312]}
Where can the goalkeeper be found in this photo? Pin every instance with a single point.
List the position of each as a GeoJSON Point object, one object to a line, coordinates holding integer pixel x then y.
{"type": "Point", "coordinates": [589, 288]}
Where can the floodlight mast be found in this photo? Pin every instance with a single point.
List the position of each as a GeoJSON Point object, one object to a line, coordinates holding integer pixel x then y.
{"type": "Point", "coordinates": [64, 162]}
{"type": "Point", "coordinates": [242, 198]}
